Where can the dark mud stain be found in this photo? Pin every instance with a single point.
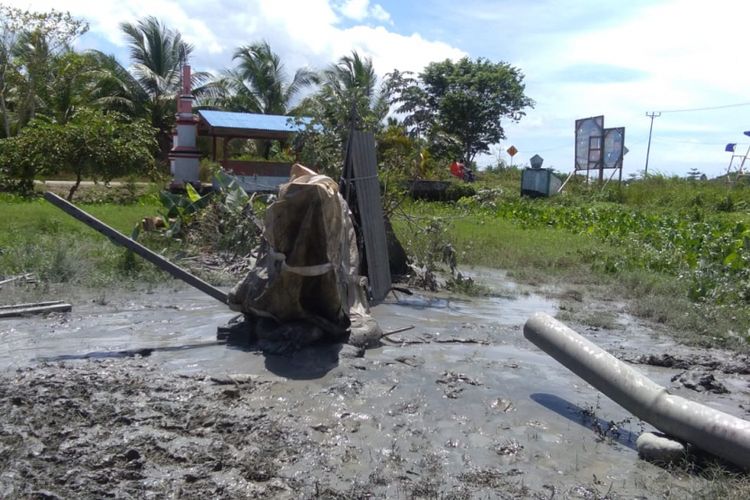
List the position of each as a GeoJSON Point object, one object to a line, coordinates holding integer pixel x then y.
{"type": "Point", "coordinates": [700, 381]}
{"type": "Point", "coordinates": [123, 428]}
{"type": "Point", "coordinates": [739, 364]}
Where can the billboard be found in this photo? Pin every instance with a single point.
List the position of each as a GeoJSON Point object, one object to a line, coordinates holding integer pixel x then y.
{"type": "Point", "coordinates": [589, 139]}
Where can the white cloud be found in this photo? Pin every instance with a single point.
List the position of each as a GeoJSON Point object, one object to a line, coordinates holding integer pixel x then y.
{"type": "Point", "coordinates": [378, 12]}
{"type": "Point", "coordinates": [303, 33]}
{"type": "Point", "coordinates": [359, 10]}
{"type": "Point", "coordinates": [687, 53]}
{"type": "Point", "coordinates": [355, 9]}
{"type": "Point", "coordinates": [671, 54]}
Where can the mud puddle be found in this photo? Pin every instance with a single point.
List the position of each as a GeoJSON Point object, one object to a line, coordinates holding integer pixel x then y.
{"type": "Point", "coordinates": [134, 397]}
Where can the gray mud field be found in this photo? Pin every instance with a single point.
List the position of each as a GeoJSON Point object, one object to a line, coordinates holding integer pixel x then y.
{"type": "Point", "coordinates": [131, 396]}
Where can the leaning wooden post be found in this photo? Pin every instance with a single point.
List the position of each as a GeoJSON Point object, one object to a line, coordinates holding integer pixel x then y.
{"type": "Point", "coordinates": [136, 247]}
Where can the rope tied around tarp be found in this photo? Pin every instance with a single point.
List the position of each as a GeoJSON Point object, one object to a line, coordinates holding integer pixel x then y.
{"type": "Point", "coordinates": [316, 270]}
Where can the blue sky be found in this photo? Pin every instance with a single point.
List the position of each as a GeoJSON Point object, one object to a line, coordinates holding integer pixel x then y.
{"type": "Point", "coordinates": [580, 57]}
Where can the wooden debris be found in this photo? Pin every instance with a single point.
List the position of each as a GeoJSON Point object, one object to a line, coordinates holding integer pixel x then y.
{"type": "Point", "coordinates": [9, 311]}
{"type": "Point", "coordinates": [27, 277]}
{"type": "Point", "coordinates": [406, 328]}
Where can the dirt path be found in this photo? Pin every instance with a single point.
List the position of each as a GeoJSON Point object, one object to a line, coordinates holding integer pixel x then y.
{"type": "Point", "coordinates": [131, 396]}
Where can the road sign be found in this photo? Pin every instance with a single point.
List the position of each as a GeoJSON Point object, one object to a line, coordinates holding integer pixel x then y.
{"type": "Point", "coordinates": [512, 151]}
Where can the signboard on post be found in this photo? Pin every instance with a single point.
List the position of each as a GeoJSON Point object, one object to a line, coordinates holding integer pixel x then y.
{"type": "Point", "coordinates": [512, 152]}
{"type": "Point", "coordinates": [597, 148]}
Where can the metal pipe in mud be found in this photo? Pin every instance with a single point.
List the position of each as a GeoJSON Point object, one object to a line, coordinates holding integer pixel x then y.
{"type": "Point", "coordinates": [711, 430]}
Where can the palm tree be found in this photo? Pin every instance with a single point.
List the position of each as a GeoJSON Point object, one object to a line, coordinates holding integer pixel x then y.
{"type": "Point", "coordinates": [112, 87]}
{"type": "Point", "coordinates": [350, 90]}
{"type": "Point", "coordinates": [259, 84]}
{"type": "Point", "coordinates": [34, 52]}
{"type": "Point", "coordinates": [158, 54]}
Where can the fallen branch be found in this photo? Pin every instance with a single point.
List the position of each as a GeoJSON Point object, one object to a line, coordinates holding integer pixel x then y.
{"type": "Point", "coordinates": [460, 340]}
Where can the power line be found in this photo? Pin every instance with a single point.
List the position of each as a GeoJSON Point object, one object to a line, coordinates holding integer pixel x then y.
{"type": "Point", "coordinates": [708, 108]}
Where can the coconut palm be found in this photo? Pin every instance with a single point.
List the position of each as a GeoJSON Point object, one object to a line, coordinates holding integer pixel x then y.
{"type": "Point", "coordinates": [112, 87]}
{"type": "Point", "coordinates": [350, 90]}
{"type": "Point", "coordinates": [259, 83]}
{"type": "Point", "coordinates": [158, 54]}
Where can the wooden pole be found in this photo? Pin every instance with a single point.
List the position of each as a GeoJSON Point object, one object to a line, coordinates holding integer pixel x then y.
{"type": "Point", "coordinates": [136, 247]}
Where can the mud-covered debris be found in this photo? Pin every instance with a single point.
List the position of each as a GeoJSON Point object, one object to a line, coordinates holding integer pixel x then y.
{"type": "Point", "coordinates": [460, 340]}
{"type": "Point", "coordinates": [454, 382]}
{"type": "Point", "coordinates": [509, 448]}
{"type": "Point", "coordinates": [660, 449]}
{"type": "Point", "coordinates": [345, 386]}
{"type": "Point", "coordinates": [700, 381]}
{"type": "Point", "coordinates": [503, 405]}
{"type": "Point", "coordinates": [495, 478]}
{"type": "Point", "coordinates": [238, 379]}
{"type": "Point", "coordinates": [738, 364]}
{"type": "Point", "coordinates": [663, 360]}
{"type": "Point", "coordinates": [413, 361]}
{"type": "Point", "coordinates": [405, 408]}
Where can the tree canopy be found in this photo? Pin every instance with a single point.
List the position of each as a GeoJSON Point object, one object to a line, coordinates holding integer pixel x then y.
{"type": "Point", "coordinates": [467, 100]}
{"type": "Point", "coordinates": [48, 91]}
{"type": "Point", "coordinates": [92, 144]}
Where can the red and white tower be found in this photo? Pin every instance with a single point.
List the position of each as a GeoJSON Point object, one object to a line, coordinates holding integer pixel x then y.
{"type": "Point", "coordinates": [184, 157]}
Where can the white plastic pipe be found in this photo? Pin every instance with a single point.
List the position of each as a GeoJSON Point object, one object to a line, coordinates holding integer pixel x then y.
{"type": "Point", "coordinates": [711, 430]}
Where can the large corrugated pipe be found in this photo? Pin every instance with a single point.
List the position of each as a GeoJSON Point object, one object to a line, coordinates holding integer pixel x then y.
{"type": "Point", "coordinates": [711, 430]}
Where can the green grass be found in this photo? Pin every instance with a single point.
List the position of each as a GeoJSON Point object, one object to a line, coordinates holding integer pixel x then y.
{"type": "Point", "coordinates": [37, 237]}
{"type": "Point", "coordinates": [604, 250]}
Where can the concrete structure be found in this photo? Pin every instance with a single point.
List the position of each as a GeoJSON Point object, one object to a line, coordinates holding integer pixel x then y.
{"type": "Point", "coordinates": [184, 157]}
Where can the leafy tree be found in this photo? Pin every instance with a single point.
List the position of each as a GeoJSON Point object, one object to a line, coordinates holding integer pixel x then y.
{"type": "Point", "coordinates": [111, 87]}
{"type": "Point", "coordinates": [92, 144]}
{"type": "Point", "coordinates": [158, 54]}
{"type": "Point", "coordinates": [465, 100]}
{"type": "Point", "coordinates": [29, 41]}
{"type": "Point", "coordinates": [694, 174]}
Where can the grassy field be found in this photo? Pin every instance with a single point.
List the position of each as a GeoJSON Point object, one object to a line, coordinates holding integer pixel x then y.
{"type": "Point", "coordinates": [678, 252]}
{"type": "Point", "coordinates": [36, 237]}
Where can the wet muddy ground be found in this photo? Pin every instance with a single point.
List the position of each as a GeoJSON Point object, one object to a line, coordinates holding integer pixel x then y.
{"type": "Point", "coordinates": [130, 395]}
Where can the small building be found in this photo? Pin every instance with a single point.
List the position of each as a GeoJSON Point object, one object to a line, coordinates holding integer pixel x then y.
{"type": "Point", "coordinates": [225, 126]}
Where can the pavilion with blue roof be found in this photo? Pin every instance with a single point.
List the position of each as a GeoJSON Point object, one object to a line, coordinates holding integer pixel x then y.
{"type": "Point", "coordinates": [227, 126]}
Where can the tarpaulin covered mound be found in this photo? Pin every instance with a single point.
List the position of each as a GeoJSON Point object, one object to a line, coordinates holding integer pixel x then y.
{"type": "Point", "coordinates": [306, 272]}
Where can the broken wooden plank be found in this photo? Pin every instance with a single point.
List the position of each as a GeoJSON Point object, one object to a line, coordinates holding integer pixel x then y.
{"type": "Point", "coordinates": [27, 277]}
{"type": "Point", "coordinates": [36, 309]}
{"type": "Point", "coordinates": [136, 247]}
{"type": "Point", "coordinates": [31, 304]}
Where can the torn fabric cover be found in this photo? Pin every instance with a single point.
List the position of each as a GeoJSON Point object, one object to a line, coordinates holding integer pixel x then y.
{"type": "Point", "coordinates": [308, 262]}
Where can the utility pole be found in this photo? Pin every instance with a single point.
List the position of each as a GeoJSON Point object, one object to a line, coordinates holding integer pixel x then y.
{"type": "Point", "coordinates": [652, 115]}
